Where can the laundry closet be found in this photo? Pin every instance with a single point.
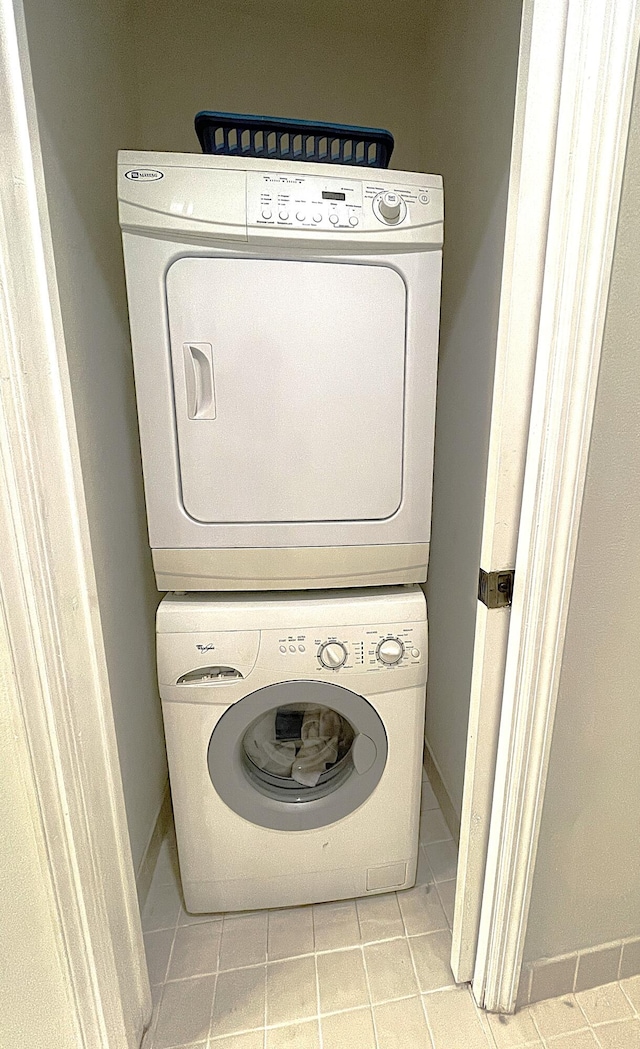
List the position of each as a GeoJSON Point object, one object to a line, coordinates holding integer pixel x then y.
{"type": "Point", "coordinates": [107, 76]}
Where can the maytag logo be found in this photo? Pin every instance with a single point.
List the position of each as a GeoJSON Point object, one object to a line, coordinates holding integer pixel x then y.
{"type": "Point", "coordinates": [144, 175]}
{"type": "Point", "coordinates": [205, 648]}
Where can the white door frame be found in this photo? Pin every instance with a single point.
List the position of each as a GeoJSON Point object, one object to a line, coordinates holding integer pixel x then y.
{"type": "Point", "coordinates": [46, 570]}
{"type": "Point", "coordinates": [53, 657]}
{"type": "Point", "coordinates": [600, 51]}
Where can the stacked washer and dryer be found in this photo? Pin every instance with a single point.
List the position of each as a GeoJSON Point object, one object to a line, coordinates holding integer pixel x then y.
{"type": "Point", "coordinates": [284, 321]}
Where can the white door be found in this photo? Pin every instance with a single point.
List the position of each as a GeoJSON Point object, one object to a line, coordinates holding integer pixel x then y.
{"type": "Point", "coordinates": [289, 385]}
{"type": "Point", "coordinates": [525, 245]}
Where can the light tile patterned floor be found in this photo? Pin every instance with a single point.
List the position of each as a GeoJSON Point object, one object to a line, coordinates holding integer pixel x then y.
{"type": "Point", "coordinates": [360, 974]}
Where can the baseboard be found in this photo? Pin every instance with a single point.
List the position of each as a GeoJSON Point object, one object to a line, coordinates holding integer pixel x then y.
{"type": "Point", "coordinates": [150, 857]}
{"type": "Point", "coordinates": [442, 794]}
{"type": "Point", "coordinates": [578, 971]}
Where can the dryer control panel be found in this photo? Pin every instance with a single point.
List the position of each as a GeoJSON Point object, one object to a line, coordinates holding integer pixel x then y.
{"type": "Point", "coordinates": [292, 201]}
{"type": "Point", "coordinates": [279, 203]}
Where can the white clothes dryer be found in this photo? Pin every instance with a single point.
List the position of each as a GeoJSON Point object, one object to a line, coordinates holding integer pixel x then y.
{"type": "Point", "coordinates": [284, 322]}
{"type": "Point", "coordinates": [294, 727]}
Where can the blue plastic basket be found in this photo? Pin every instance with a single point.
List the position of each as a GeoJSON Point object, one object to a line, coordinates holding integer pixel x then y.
{"type": "Point", "coordinates": [274, 138]}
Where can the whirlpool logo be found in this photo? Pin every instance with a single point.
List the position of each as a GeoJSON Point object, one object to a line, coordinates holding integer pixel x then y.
{"type": "Point", "coordinates": [205, 648]}
{"type": "Point", "coordinates": [144, 175]}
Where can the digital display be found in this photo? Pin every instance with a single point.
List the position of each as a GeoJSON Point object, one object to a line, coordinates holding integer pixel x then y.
{"type": "Point", "coordinates": [333, 196]}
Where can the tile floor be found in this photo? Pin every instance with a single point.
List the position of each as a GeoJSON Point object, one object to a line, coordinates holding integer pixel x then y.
{"type": "Point", "coordinates": [360, 974]}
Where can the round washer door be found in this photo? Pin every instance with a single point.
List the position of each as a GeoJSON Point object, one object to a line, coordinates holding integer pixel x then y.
{"type": "Point", "coordinates": [297, 755]}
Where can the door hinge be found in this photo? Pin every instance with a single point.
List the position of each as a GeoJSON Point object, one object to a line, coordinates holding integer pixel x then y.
{"type": "Point", "coordinates": [495, 589]}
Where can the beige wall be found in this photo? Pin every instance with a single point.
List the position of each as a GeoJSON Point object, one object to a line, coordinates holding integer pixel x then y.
{"type": "Point", "coordinates": [83, 78]}
{"type": "Point", "coordinates": [470, 70]}
{"type": "Point", "coordinates": [313, 59]}
{"type": "Point", "coordinates": [587, 879]}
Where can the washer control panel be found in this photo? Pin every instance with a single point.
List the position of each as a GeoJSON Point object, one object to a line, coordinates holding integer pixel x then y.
{"type": "Point", "coordinates": [288, 201]}
{"type": "Point", "coordinates": [390, 651]}
{"type": "Point", "coordinates": [351, 648]}
{"type": "Point", "coordinates": [332, 654]}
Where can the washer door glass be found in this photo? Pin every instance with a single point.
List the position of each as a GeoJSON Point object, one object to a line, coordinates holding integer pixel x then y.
{"type": "Point", "coordinates": [298, 751]}
{"type": "Point", "coordinates": [297, 755]}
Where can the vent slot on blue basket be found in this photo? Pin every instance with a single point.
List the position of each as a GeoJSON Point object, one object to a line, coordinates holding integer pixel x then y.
{"type": "Point", "coordinates": [233, 134]}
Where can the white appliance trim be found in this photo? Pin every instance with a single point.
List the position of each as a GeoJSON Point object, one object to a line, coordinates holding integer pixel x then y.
{"type": "Point", "coordinates": [245, 568]}
{"type": "Point", "coordinates": [598, 74]}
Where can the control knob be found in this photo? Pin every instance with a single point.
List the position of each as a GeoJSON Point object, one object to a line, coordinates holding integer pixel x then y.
{"type": "Point", "coordinates": [390, 651]}
{"type": "Point", "coordinates": [390, 205]}
{"type": "Point", "coordinates": [332, 654]}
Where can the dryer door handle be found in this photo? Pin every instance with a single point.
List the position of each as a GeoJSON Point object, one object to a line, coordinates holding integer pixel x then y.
{"type": "Point", "coordinates": [198, 380]}
{"type": "Point", "coordinates": [363, 753]}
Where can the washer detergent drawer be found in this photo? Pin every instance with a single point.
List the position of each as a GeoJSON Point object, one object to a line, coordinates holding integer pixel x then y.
{"type": "Point", "coordinates": [288, 389]}
{"type": "Point", "coordinates": [221, 657]}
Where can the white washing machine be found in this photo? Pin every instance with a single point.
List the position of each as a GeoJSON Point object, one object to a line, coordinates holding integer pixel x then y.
{"type": "Point", "coordinates": [294, 726]}
{"type": "Point", "coordinates": [284, 321]}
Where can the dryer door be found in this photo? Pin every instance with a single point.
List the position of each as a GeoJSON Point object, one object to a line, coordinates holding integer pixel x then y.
{"type": "Point", "coordinates": [297, 755]}
{"type": "Point", "coordinates": [289, 389]}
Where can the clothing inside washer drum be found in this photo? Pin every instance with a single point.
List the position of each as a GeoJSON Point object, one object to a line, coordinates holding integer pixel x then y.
{"type": "Point", "coordinates": [298, 744]}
